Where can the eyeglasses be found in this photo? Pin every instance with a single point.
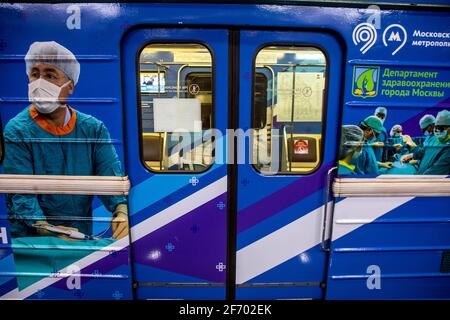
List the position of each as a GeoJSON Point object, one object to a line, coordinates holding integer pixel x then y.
{"type": "Point", "coordinates": [381, 115]}
{"type": "Point", "coordinates": [441, 128]}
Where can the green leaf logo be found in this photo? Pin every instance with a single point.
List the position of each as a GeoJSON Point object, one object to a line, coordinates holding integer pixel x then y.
{"type": "Point", "coordinates": [365, 84]}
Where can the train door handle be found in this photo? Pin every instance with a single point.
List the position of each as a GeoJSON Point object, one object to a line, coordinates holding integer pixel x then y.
{"type": "Point", "coordinates": [325, 214]}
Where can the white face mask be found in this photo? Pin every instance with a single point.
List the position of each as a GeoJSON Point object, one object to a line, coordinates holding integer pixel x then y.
{"type": "Point", "coordinates": [45, 95]}
{"type": "Point", "coordinates": [441, 135]}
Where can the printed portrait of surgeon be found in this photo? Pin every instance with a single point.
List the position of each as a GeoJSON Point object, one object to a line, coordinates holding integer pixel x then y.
{"type": "Point", "coordinates": [398, 152]}
{"type": "Point", "coordinates": [50, 137]}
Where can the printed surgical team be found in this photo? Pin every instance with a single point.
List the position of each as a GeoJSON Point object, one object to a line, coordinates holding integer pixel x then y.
{"type": "Point", "coordinates": [367, 149]}
{"type": "Point", "coordinates": [39, 141]}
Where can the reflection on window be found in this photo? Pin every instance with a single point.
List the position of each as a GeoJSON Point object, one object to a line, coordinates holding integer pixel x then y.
{"type": "Point", "coordinates": [287, 111]}
{"type": "Point", "coordinates": [177, 107]}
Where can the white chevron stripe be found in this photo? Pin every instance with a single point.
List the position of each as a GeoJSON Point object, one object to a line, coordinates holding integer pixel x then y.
{"type": "Point", "coordinates": [144, 228]}
{"type": "Point", "coordinates": [305, 233]}
{"type": "Point", "coordinates": [368, 209]}
{"type": "Point", "coordinates": [179, 209]}
{"type": "Point", "coordinates": [279, 246]}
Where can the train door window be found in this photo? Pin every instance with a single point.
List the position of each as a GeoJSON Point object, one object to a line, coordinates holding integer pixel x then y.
{"type": "Point", "coordinates": [288, 124]}
{"type": "Point", "coordinates": [176, 103]}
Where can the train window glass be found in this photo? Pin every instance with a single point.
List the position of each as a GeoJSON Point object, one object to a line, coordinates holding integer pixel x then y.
{"type": "Point", "coordinates": [288, 108]}
{"type": "Point", "coordinates": [204, 82]}
{"type": "Point", "coordinates": [260, 101]}
{"type": "Point", "coordinates": [176, 96]}
{"type": "Point", "coordinates": [153, 82]}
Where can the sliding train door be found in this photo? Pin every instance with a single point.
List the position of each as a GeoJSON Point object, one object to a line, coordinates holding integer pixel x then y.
{"type": "Point", "coordinates": [289, 99]}
{"type": "Point", "coordinates": [230, 135]}
{"type": "Point", "coordinates": [176, 101]}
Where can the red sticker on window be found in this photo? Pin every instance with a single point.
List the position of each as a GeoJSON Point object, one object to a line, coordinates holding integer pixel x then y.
{"type": "Point", "coordinates": [301, 147]}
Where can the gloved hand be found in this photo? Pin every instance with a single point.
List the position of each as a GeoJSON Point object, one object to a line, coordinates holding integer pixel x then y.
{"type": "Point", "coordinates": [387, 165]}
{"type": "Point", "coordinates": [119, 223]}
{"type": "Point", "coordinates": [43, 232]}
{"type": "Point", "coordinates": [46, 233]}
{"type": "Point", "coordinates": [406, 157]}
{"type": "Point", "coordinates": [409, 141]}
{"type": "Point", "coordinates": [67, 238]}
{"type": "Point", "coordinates": [378, 144]}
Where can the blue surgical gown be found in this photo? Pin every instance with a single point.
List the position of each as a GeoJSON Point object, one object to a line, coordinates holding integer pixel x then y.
{"type": "Point", "coordinates": [345, 170]}
{"type": "Point", "coordinates": [86, 151]}
{"type": "Point", "coordinates": [366, 163]}
{"type": "Point", "coordinates": [423, 140]}
{"type": "Point", "coordinates": [434, 157]}
{"type": "Point", "coordinates": [382, 137]}
{"type": "Point", "coordinates": [427, 140]}
{"type": "Point", "coordinates": [394, 154]}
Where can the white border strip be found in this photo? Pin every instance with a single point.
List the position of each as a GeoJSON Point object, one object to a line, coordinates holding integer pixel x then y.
{"type": "Point", "coordinates": [84, 185]}
{"type": "Point", "coordinates": [437, 186]}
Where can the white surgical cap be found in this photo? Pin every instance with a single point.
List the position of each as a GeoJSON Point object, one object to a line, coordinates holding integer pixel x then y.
{"type": "Point", "coordinates": [426, 120]}
{"type": "Point", "coordinates": [443, 118]}
{"type": "Point", "coordinates": [394, 129]}
{"type": "Point", "coordinates": [381, 110]}
{"type": "Point", "coordinates": [53, 53]}
{"type": "Point", "coordinates": [351, 138]}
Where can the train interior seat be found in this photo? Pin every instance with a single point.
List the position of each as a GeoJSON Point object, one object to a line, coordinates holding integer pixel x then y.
{"type": "Point", "coordinates": [153, 149]}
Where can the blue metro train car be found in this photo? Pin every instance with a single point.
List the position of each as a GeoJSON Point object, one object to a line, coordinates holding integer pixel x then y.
{"type": "Point", "coordinates": [293, 150]}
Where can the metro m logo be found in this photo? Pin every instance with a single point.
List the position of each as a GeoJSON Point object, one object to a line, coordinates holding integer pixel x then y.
{"type": "Point", "coordinates": [395, 36]}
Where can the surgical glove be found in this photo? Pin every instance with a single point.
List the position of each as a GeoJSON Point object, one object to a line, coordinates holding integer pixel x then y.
{"type": "Point", "coordinates": [409, 141]}
{"type": "Point", "coordinates": [378, 144]}
{"type": "Point", "coordinates": [119, 223]}
{"type": "Point", "coordinates": [68, 229]}
{"type": "Point", "coordinates": [46, 233]}
{"type": "Point", "coordinates": [406, 157]}
{"type": "Point", "coordinates": [387, 165]}
{"type": "Point", "coordinates": [43, 232]}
